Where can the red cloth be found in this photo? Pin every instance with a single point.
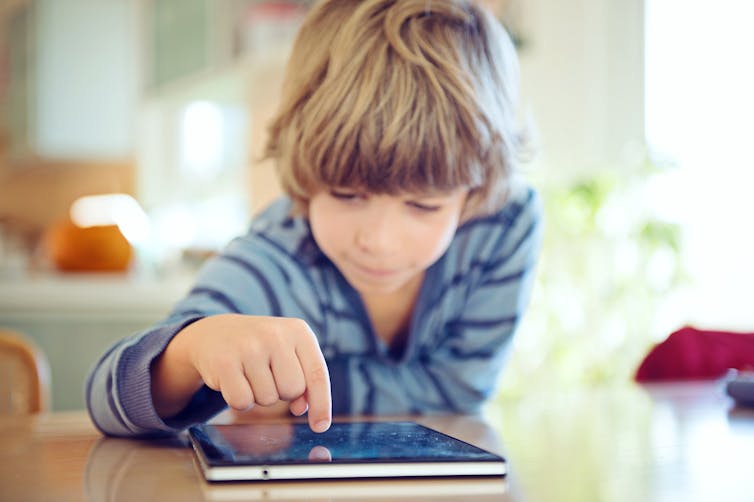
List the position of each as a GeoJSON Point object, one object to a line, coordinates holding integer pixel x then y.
{"type": "Point", "coordinates": [693, 354]}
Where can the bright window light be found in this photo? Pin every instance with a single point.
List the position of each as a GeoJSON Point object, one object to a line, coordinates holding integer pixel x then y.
{"type": "Point", "coordinates": [699, 109]}
{"type": "Point", "coordinates": [202, 133]}
{"type": "Point", "coordinates": [176, 226]}
{"type": "Point", "coordinates": [112, 209]}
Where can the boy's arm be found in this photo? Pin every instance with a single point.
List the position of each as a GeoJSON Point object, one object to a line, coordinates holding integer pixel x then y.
{"type": "Point", "coordinates": [119, 388]}
{"type": "Point", "coordinates": [239, 359]}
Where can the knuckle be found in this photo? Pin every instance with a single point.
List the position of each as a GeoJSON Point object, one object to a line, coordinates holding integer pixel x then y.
{"type": "Point", "coordinates": [236, 400]}
{"type": "Point", "coordinates": [251, 349]}
{"type": "Point", "coordinates": [267, 398]}
{"type": "Point", "coordinates": [225, 363]}
{"type": "Point", "coordinates": [291, 390]}
{"type": "Point", "coordinates": [299, 326]}
{"type": "Point", "coordinates": [318, 374]}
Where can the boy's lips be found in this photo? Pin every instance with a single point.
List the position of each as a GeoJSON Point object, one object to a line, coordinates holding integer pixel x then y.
{"type": "Point", "coordinates": [377, 272]}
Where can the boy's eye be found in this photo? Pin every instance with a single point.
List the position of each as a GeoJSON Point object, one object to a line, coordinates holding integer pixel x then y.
{"type": "Point", "coordinates": [337, 194]}
{"type": "Point", "coordinates": [423, 206]}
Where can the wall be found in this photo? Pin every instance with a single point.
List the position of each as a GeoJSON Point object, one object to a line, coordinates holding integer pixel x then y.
{"type": "Point", "coordinates": [582, 81]}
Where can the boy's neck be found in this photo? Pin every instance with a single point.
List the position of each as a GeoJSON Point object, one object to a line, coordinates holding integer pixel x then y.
{"type": "Point", "coordinates": [391, 313]}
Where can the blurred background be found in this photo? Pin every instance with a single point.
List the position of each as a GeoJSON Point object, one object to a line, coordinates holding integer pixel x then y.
{"type": "Point", "coordinates": [131, 130]}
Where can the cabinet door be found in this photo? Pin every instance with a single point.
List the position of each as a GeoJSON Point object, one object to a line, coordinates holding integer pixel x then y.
{"type": "Point", "coordinates": [73, 79]}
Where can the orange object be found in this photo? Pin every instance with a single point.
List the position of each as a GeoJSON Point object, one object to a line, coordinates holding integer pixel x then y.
{"type": "Point", "coordinates": [88, 249]}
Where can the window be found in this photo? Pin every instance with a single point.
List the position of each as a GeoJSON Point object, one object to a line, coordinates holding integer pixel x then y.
{"type": "Point", "coordinates": [699, 114]}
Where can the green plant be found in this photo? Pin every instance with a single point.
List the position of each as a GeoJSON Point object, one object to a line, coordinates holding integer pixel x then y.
{"type": "Point", "coordinates": [607, 262]}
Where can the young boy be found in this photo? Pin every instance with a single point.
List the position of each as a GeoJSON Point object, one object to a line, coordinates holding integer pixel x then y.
{"type": "Point", "coordinates": [392, 276]}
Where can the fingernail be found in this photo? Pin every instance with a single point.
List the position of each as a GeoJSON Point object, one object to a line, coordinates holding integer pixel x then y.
{"type": "Point", "coordinates": [322, 426]}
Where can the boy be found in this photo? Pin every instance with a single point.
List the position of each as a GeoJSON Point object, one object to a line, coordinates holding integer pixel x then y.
{"type": "Point", "coordinates": [392, 276]}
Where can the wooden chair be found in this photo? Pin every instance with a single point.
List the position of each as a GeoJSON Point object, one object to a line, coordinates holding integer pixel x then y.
{"type": "Point", "coordinates": [24, 375]}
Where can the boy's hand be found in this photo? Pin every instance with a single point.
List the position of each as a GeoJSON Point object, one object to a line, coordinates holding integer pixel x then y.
{"type": "Point", "coordinates": [260, 360]}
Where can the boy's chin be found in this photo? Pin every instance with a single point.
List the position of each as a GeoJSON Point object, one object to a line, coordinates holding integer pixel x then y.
{"type": "Point", "coordinates": [372, 289]}
{"type": "Point", "coordinates": [375, 287]}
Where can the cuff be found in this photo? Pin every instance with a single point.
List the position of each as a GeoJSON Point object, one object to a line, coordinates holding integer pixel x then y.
{"type": "Point", "coordinates": [134, 387]}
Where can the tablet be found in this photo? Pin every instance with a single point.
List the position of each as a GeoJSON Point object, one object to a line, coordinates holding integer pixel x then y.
{"type": "Point", "coordinates": [286, 451]}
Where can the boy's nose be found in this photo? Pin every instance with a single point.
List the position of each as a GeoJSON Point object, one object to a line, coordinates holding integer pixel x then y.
{"type": "Point", "coordinates": [377, 235]}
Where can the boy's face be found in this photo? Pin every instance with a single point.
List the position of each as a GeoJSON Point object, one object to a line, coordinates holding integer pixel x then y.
{"type": "Point", "coordinates": [382, 242]}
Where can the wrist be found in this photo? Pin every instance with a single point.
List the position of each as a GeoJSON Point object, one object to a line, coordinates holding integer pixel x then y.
{"type": "Point", "coordinates": [179, 353]}
{"type": "Point", "coordinates": [174, 377]}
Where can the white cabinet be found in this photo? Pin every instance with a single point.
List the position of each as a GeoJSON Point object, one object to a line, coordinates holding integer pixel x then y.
{"type": "Point", "coordinates": [75, 318]}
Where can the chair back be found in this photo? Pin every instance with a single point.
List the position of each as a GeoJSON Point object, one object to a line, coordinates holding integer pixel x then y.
{"type": "Point", "coordinates": [24, 375]}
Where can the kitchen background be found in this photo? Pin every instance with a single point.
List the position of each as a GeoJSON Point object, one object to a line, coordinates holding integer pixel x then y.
{"type": "Point", "coordinates": [641, 111]}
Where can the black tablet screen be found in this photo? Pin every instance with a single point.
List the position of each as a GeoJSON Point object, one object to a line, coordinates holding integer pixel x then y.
{"type": "Point", "coordinates": [343, 442]}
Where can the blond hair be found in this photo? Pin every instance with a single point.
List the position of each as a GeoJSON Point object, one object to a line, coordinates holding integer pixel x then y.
{"type": "Point", "coordinates": [398, 96]}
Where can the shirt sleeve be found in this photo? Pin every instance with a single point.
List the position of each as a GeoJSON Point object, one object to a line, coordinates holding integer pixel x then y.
{"type": "Point", "coordinates": [457, 370]}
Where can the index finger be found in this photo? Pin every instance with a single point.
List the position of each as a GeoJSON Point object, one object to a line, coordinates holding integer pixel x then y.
{"type": "Point", "coordinates": [317, 379]}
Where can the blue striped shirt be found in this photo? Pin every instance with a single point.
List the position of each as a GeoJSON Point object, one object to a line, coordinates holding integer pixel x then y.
{"type": "Point", "coordinates": [468, 308]}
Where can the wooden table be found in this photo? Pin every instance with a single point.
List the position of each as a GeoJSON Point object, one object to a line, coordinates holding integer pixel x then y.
{"type": "Point", "coordinates": [661, 443]}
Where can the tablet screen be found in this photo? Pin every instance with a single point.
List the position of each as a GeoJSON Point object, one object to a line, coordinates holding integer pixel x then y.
{"type": "Point", "coordinates": [343, 442]}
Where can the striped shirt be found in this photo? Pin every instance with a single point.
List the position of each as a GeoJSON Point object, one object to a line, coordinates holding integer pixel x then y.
{"type": "Point", "coordinates": [467, 311]}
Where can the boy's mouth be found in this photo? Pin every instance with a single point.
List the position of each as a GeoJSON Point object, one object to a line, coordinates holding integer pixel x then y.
{"type": "Point", "coordinates": [375, 272]}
